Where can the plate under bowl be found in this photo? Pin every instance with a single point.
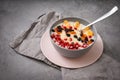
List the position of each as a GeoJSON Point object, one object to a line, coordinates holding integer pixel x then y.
{"type": "Point", "coordinates": [54, 56]}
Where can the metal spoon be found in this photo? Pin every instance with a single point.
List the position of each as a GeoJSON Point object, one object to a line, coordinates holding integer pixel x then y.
{"type": "Point", "coordinates": [113, 10]}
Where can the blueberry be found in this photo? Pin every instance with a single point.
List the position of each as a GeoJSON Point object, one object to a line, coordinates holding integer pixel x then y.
{"type": "Point", "coordinates": [53, 30]}
{"type": "Point", "coordinates": [79, 39]}
{"type": "Point", "coordinates": [85, 41]}
{"type": "Point", "coordinates": [59, 28]}
{"type": "Point", "coordinates": [68, 35]}
{"type": "Point", "coordinates": [86, 38]}
{"type": "Point", "coordinates": [82, 41]}
{"type": "Point", "coordinates": [68, 30]}
{"type": "Point", "coordinates": [72, 43]}
{"type": "Point", "coordinates": [81, 33]}
{"type": "Point", "coordinates": [92, 40]}
{"type": "Point", "coordinates": [75, 36]}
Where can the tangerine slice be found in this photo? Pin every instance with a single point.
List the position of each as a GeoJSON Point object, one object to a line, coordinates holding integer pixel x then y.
{"type": "Point", "coordinates": [83, 36]}
{"type": "Point", "coordinates": [66, 23]}
{"type": "Point", "coordinates": [89, 42]}
{"type": "Point", "coordinates": [76, 24]}
{"type": "Point", "coordinates": [72, 32]}
{"type": "Point", "coordinates": [90, 33]}
{"type": "Point", "coordinates": [86, 29]}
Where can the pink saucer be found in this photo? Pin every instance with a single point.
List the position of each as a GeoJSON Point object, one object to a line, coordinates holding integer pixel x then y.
{"type": "Point", "coordinates": [51, 54]}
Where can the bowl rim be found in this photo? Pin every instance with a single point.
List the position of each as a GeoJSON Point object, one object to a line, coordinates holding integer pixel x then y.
{"type": "Point", "coordinates": [77, 19]}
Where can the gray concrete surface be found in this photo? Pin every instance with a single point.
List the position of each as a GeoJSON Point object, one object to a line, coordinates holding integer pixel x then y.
{"type": "Point", "coordinates": [16, 16]}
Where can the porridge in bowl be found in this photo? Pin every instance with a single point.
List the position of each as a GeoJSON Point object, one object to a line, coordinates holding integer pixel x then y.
{"type": "Point", "coordinates": [69, 35]}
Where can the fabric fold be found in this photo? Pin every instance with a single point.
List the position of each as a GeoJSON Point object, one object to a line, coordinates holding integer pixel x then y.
{"type": "Point", "coordinates": [28, 43]}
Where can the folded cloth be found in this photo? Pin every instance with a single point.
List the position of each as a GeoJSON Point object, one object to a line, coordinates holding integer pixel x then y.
{"type": "Point", "coordinates": [28, 44]}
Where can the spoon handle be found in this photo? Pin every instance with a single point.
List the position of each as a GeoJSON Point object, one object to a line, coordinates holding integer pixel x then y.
{"type": "Point", "coordinates": [113, 10]}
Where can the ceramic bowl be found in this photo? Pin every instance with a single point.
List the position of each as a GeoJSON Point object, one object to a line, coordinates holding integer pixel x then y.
{"type": "Point", "coordinates": [75, 52]}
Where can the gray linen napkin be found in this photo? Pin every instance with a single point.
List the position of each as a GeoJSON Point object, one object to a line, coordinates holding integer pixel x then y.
{"type": "Point", "coordinates": [28, 44]}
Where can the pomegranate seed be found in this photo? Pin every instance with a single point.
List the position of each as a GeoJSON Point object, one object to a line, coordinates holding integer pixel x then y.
{"type": "Point", "coordinates": [76, 48]}
{"type": "Point", "coordinates": [70, 27]}
{"type": "Point", "coordinates": [67, 44]}
{"type": "Point", "coordinates": [84, 45]}
{"type": "Point", "coordinates": [57, 35]}
{"type": "Point", "coordinates": [61, 41]}
{"type": "Point", "coordinates": [52, 36]}
{"type": "Point", "coordinates": [71, 46]}
{"type": "Point", "coordinates": [65, 39]}
{"type": "Point", "coordinates": [76, 43]}
{"type": "Point", "coordinates": [55, 38]}
{"type": "Point", "coordinates": [63, 44]}
{"type": "Point", "coordinates": [90, 36]}
{"type": "Point", "coordinates": [75, 28]}
{"type": "Point", "coordinates": [70, 39]}
{"type": "Point", "coordinates": [79, 45]}
{"type": "Point", "coordinates": [64, 27]}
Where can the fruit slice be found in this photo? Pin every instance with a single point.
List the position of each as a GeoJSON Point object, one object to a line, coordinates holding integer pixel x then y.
{"type": "Point", "coordinates": [89, 33]}
{"type": "Point", "coordinates": [86, 29]}
{"type": "Point", "coordinates": [89, 42]}
{"type": "Point", "coordinates": [66, 23]}
{"type": "Point", "coordinates": [72, 32]}
{"type": "Point", "coordinates": [77, 24]}
{"type": "Point", "coordinates": [83, 37]}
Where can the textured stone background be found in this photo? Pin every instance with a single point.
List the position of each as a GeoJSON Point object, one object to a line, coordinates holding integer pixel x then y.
{"type": "Point", "coordinates": [16, 16]}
